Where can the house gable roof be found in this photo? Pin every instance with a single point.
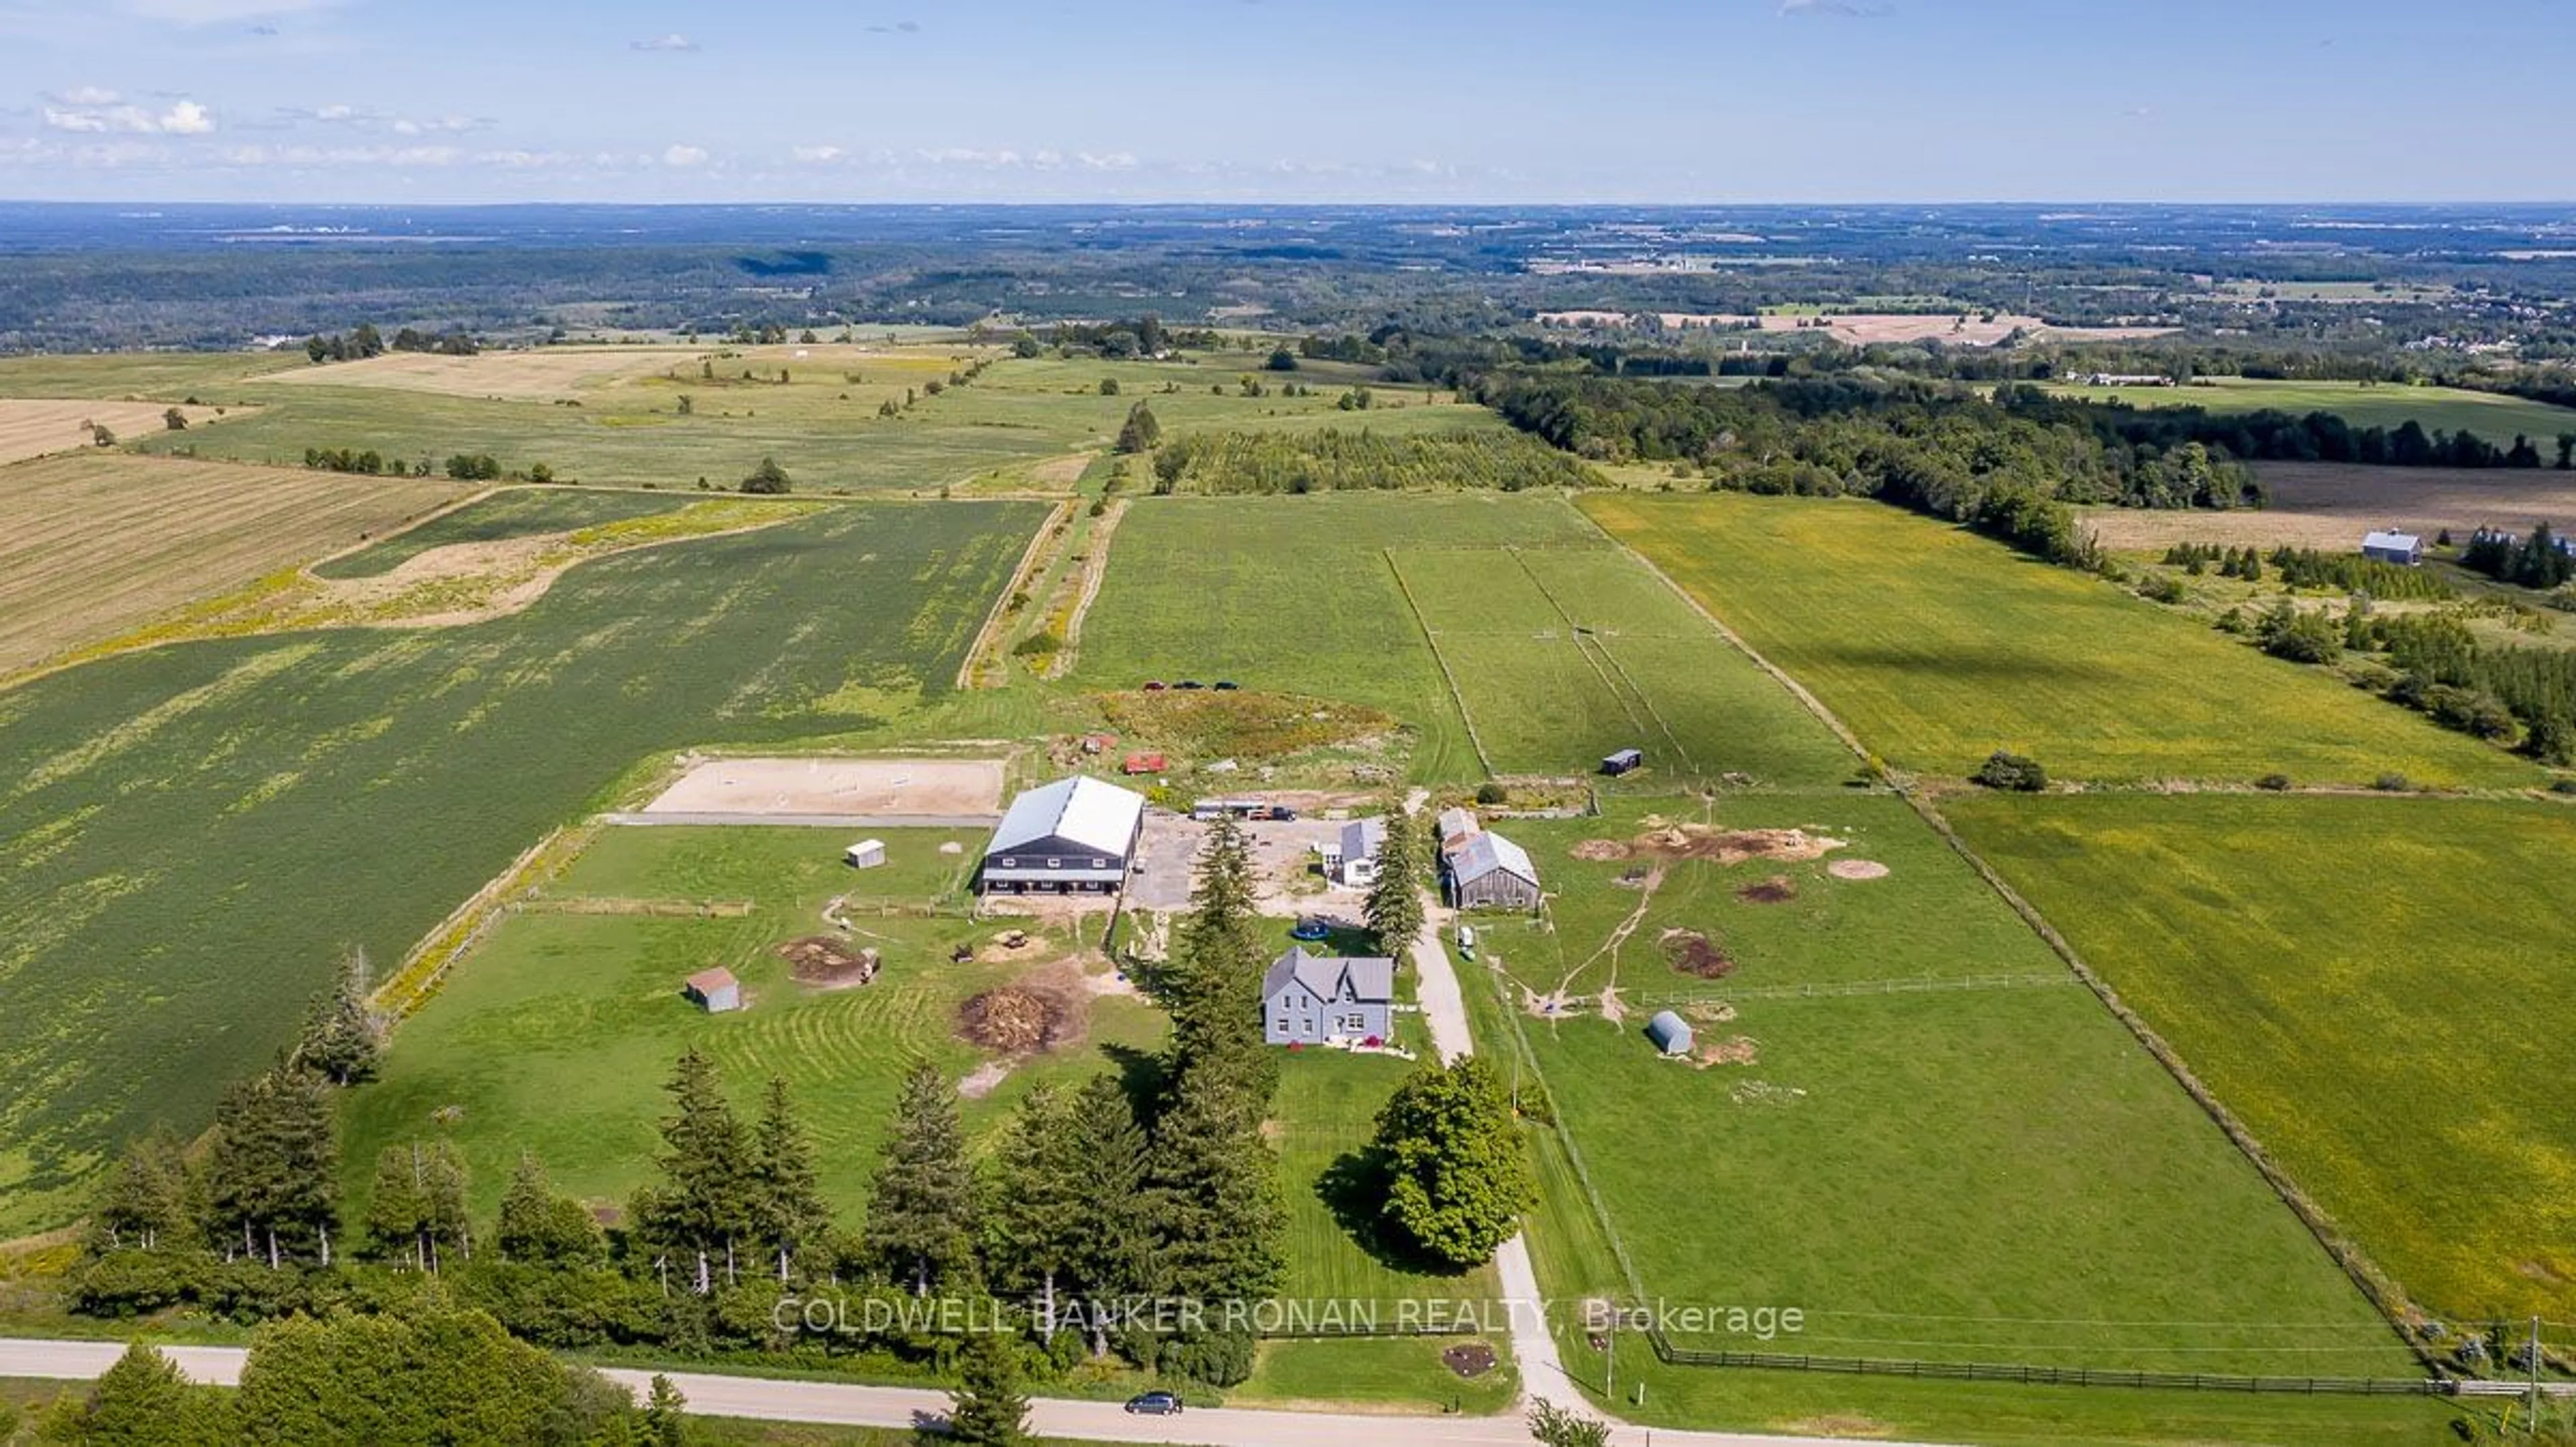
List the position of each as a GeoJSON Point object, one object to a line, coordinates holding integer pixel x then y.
{"type": "Point", "coordinates": [2401, 542]}
{"type": "Point", "coordinates": [1361, 838]}
{"type": "Point", "coordinates": [1372, 980]}
{"type": "Point", "coordinates": [1083, 811]}
{"type": "Point", "coordinates": [1485, 852]}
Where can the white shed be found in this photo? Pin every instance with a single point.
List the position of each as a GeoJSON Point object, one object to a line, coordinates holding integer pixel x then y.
{"type": "Point", "coordinates": [866, 854]}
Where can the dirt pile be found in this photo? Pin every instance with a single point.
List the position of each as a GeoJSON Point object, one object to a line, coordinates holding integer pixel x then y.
{"type": "Point", "coordinates": [828, 963]}
{"type": "Point", "coordinates": [1856, 869]}
{"type": "Point", "coordinates": [1469, 1359]}
{"type": "Point", "coordinates": [1692, 953]}
{"type": "Point", "coordinates": [1719, 846]}
{"type": "Point", "coordinates": [1778, 889]}
{"type": "Point", "coordinates": [1741, 1050]}
{"type": "Point", "coordinates": [1017, 1020]}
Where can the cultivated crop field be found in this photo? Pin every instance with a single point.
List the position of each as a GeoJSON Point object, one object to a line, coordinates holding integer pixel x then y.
{"type": "Point", "coordinates": [555, 1034]}
{"type": "Point", "coordinates": [542, 374]}
{"type": "Point", "coordinates": [195, 833]}
{"type": "Point", "coordinates": [507, 513]}
{"type": "Point", "coordinates": [1564, 654]}
{"type": "Point", "coordinates": [1938, 646]}
{"type": "Point", "coordinates": [1898, 1062]}
{"type": "Point", "coordinates": [2490, 415]}
{"type": "Point", "coordinates": [2372, 985]}
{"type": "Point", "coordinates": [2329, 505]}
{"type": "Point", "coordinates": [93, 544]}
{"type": "Point", "coordinates": [33, 428]}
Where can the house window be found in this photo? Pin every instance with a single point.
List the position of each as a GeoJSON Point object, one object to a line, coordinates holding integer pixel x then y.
{"type": "Point", "coordinates": [1279, 1024]}
{"type": "Point", "coordinates": [1055, 864]}
{"type": "Point", "coordinates": [1352, 1024]}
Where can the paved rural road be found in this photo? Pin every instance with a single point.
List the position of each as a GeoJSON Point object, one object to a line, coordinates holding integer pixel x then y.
{"type": "Point", "coordinates": [851, 1405]}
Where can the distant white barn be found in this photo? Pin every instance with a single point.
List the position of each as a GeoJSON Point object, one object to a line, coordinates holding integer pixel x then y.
{"type": "Point", "coordinates": [866, 854]}
{"type": "Point", "coordinates": [2406, 549]}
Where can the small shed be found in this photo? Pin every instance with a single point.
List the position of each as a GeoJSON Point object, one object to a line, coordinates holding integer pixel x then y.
{"type": "Point", "coordinates": [1669, 1033]}
{"type": "Point", "coordinates": [866, 854]}
{"type": "Point", "coordinates": [716, 990]}
{"type": "Point", "coordinates": [1135, 764]}
{"type": "Point", "coordinates": [1622, 761]}
{"type": "Point", "coordinates": [2393, 547]}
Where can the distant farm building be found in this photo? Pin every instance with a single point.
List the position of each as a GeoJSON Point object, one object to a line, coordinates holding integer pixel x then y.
{"type": "Point", "coordinates": [716, 990]}
{"type": "Point", "coordinates": [1313, 999]}
{"type": "Point", "coordinates": [1074, 836]}
{"type": "Point", "coordinates": [1351, 858]}
{"type": "Point", "coordinates": [1669, 1033]}
{"type": "Point", "coordinates": [2404, 548]}
{"type": "Point", "coordinates": [866, 854]}
{"type": "Point", "coordinates": [2127, 379]}
{"type": "Point", "coordinates": [1487, 871]}
{"type": "Point", "coordinates": [1623, 761]}
{"type": "Point", "coordinates": [1135, 764]}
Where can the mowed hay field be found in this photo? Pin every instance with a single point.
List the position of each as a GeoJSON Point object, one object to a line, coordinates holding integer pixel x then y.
{"type": "Point", "coordinates": [2490, 415]}
{"type": "Point", "coordinates": [1565, 654]}
{"type": "Point", "coordinates": [97, 542]}
{"type": "Point", "coordinates": [2375, 986]}
{"type": "Point", "coordinates": [1294, 594]}
{"type": "Point", "coordinates": [555, 1034]}
{"type": "Point", "coordinates": [2329, 505]}
{"type": "Point", "coordinates": [193, 835]}
{"type": "Point", "coordinates": [35, 427]}
{"type": "Point", "coordinates": [1938, 646]}
{"type": "Point", "coordinates": [515, 512]}
{"type": "Point", "coordinates": [1995, 1172]}
{"type": "Point", "coordinates": [612, 415]}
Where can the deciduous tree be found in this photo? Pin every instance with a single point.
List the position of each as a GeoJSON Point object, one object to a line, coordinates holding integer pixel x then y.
{"type": "Point", "coordinates": [1457, 1177]}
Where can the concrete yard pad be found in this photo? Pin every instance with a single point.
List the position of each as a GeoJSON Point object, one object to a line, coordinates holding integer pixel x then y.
{"type": "Point", "coordinates": [847, 787]}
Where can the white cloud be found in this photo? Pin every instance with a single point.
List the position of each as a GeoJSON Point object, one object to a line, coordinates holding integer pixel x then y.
{"type": "Point", "coordinates": [183, 118]}
{"type": "Point", "coordinates": [817, 155]}
{"type": "Point", "coordinates": [672, 43]}
{"type": "Point", "coordinates": [684, 157]}
{"type": "Point", "coordinates": [1114, 161]}
{"type": "Point", "coordinates": [358, 118]}
{"type": "Point", "coordinates": [84, 95]}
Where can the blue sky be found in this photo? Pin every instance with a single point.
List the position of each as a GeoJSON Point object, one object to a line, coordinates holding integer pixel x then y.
{"type": "Point", "coordinates": [1287, 100]}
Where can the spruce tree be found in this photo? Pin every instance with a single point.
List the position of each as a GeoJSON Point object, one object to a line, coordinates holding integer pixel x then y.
{"type": "Point", "coordinates": [1034, 1201]}
{"type": "Point", "coordinates": [344, 1034]}
{"type": "Point", "coordinates": [536, 1225]}
{"type": "Point", "coordinates": [788, 1205]}
{"type": "Point", "coordinates": [1457, 1177]}
{"type": "Point", "coordinates": [1395, 896]}
{"type": "Point", "coordinates": [1213, 1188]}
{"type": "Point", "coordinates": [1113, 1242]}
{"type": "Point", "coordinates": [921, 1215]}
{"type": "Point", "coordinates": [147, 1401]}
{"type": "Point", "coordinates": [1219, 954]}
{"type": "Point", "coordinates": [145, 1203]}
{"type": "Point", "coordinates": [417, 1208]}
{"type": "Point", "coordinates": [271, 1177]}
{"type": "Point", "coordinates": [666, 1414]}
{"type": "Point", "coordinates": [988, 1408]}
{"type": "Point", "coordinates": [702, 1207]}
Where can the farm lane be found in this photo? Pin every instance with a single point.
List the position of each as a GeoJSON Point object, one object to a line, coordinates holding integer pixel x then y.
{"type": "Point", "coordinates": [645, 819]}
{"type": "Point", "coordinates": [1444, 1009]}
{"type": "Point", "coordinates": [850, 1404]}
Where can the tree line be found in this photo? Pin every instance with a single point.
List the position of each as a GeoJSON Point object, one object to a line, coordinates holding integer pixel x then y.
{"type": "Point", "coordinates": [2431, 662]}
{"type": "Point", "coordinates": [1332, 459]}
{"type": "Point", "coordinates": [363, 341]}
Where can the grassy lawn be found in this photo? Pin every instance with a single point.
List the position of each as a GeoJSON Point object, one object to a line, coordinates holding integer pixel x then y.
{"type": "Point", "coordinates": [1396, 1375]}
{"type": "Point", "coordinates": [1918, 1121]}
{"type": "Point", "coordinates": [1937, 646]}
{"type": "Point", "coordinates": [190, 837]}
{"type": "Point", "coordinates": [556, 1034]}
{"type": "Point", "coordinates": [2450, 409]}
{"type": "Point", "coordinates": [1295, 594]}
{"type": "Point", "coordinates": [1566, 653]}
{"type": "Point", "coordinates": [2373, 985]}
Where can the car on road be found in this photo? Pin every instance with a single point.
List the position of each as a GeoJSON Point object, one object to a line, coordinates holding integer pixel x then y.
{"type": "Point", "coordinates": [1225, 685]}
{"type": "Point", "coordinates": [1189, 685]}
{"type": "Point", "coordinates": [1155, 1404]}
{"type": "Point", "coordinates": [1155, 685]}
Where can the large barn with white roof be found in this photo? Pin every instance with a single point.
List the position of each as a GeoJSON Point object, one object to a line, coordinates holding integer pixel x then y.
{"type": "Point", "coordinates": [1074, 836]}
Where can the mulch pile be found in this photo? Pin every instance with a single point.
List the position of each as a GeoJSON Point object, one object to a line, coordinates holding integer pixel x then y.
{"type": "Point", "coordinates": [1721, 846]}
{"type": "Point", "coordinates": [1015, 1020]}
{"type": "Point", "coordinates": [1691, 953]}
{"type": "Point", "coordinates": [823, 960]}
{"type": "Point", "coordinates": [1469, 1359]}
{"type": "Point", "coordinates": [1778, 889]}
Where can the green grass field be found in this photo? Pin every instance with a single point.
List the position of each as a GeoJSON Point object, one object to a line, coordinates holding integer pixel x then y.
{"type": "Point", "coordinates": [1566, 654]}
{"type": "Point", "coordinates": [1938, 646]}
{"type": "Point", "coordinates": [2372, 985]}
{"type": "Point", "coordinates": [510, 513]}
{"type": "Point", "coordinates": [2490, 415]}
{"type": "Point", "coordinates": [1396, 1375]}
{"type": "Point", "coordinates": [194, 834]}
{"type": "Point", "coordinates": [555, 1034]}
{"type": "Point", "coordinates": [1295, 594]}
{"type": "Point", "coordinates": [1992, 1171]}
